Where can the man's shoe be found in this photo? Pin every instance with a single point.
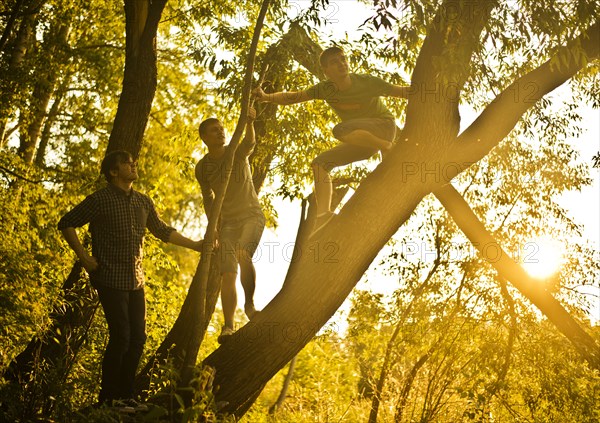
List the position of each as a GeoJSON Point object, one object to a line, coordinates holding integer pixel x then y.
{"type": "Point", "coordinates": [226, 333]}
{"type": "Point", "coordinates": [137, 406]}
{"type": "Point", "coordinates": [121, 406]}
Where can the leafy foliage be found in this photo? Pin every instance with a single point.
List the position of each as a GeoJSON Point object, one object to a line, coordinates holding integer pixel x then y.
{"type": "Point", "coordinates": [463, 345]}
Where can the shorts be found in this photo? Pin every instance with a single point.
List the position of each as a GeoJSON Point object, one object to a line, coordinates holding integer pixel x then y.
{"type": "Point", "coordinates": [343, 153]}
{"type": "Point", "coordinates": [239, 235]}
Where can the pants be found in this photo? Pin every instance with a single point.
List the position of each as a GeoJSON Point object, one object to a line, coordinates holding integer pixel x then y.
{"type": "Point", "coordinates": [125, 313]}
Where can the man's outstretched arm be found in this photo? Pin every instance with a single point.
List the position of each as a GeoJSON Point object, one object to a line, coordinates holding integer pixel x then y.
{"type": "Point", "coordinates": [399, 91]}
{"type": "Point", "coordinates": [177, 239]}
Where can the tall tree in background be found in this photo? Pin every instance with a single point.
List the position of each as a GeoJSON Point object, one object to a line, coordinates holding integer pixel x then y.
{"type": "Point", "coordinates": [139, 78]}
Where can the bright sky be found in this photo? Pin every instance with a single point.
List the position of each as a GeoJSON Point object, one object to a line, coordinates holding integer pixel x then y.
{"type": "Point", "coordinates": [273, 256]}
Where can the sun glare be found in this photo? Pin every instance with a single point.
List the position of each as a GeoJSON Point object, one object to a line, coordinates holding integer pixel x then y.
{"type": "Point", "coordinates": [542, 257]}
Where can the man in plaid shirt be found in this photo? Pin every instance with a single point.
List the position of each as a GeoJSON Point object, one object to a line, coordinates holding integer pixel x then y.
{"type": "Point", "coordinates": [118, 217]}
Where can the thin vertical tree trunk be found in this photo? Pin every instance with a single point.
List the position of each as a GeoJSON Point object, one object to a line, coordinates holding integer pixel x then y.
{"type": "Point", "coordinates": [15, 75]}
{"type": "Point", "coordinates": [40, 154]}
{"type": "Point", "coordinates": [387, 361]}
{"type": "Point", "coordinates": [286, 385]}
{"type": "Point", "coordinates": [34, 114]}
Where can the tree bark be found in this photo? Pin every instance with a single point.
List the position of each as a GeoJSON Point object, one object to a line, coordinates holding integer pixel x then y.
{"type": "Point", "coordinates": [140, 75]}
{"type": "Point", "coordinates": [262, 347]}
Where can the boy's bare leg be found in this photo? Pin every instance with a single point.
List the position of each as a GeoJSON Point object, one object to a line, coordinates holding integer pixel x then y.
{"type": "Point", "coordinates": [248, 279]}
{"type": "Point", "coordinates": [323, 189]}
{"type": "Point", "coordinates": [229, 297]}
{"type": "Point", "coordinates": [362, 138]}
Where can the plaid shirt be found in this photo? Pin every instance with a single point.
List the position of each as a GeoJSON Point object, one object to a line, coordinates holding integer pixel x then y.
{"type": "Point", "coordinates": [117, 223]}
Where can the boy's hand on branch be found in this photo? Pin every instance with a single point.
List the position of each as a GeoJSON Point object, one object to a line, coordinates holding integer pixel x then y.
{"type": "Point", "coordinates": [251, 114]}
{"type": "Point", "coordinates": [259, 94]}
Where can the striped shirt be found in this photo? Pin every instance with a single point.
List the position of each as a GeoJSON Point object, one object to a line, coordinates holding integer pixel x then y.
{"type": "Point", "coordinates": [117, 221]}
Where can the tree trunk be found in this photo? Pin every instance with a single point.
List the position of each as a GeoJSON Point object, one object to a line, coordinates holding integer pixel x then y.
{"type": "Point", "coordinates": [15, 74]}
{"type": "Point", "coordinates": [140, 75]}
{"type": "Point", "coordinates": [387, 361]}
{"type": "Point", "coordinates": [40, 154]}
{"type": "Point", "coordinates": [285, 387]}
{"type": "Point", "coordinates": [33, 115]}
{"type": "Point", "coordinates": [383, 202]}
{"type": "Point", "coordinates": [409, 381]}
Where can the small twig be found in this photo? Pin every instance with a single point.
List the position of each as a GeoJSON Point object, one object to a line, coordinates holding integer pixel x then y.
{"type": "Point", "coordinates": [16, 175]}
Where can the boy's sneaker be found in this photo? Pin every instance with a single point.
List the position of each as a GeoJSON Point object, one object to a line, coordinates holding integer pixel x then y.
{"type": "Point", "coordinates": [137, 406]}
{"type": "Point", "coordinates": [226, 333]}
{"type": "Point", "coordinates": [384, 152]}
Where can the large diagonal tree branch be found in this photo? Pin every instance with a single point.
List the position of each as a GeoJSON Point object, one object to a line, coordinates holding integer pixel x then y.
{"type": "Point", "coordinates": [505, 111]}
{"type": "Point", "coordinates": [507, 268]}
{"type": "Point", "coordinates": [328, 269]}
